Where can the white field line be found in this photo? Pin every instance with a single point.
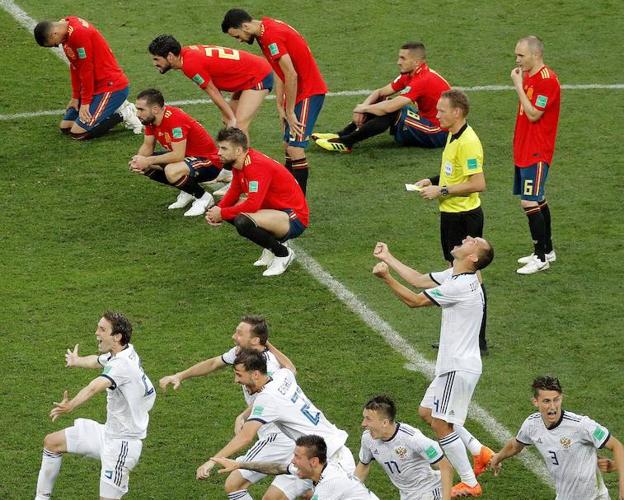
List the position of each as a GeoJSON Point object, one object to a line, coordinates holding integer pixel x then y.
{"type": "Point", "coordinates": [343, 93]}
{"type": "Point", "coordinates": [416, 361]}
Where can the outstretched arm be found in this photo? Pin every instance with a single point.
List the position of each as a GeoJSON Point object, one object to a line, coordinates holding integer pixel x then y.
{"type": "Point", "coordinates": [270, 468]}
{"type": "Point", "coordinates": [511, 448]}
{"type": "Point", "coordinates": [197, 370]}
{"type": "Point", "coordinates": [74, 360]}
{"type": "Point", "coordinates": [97, 385]}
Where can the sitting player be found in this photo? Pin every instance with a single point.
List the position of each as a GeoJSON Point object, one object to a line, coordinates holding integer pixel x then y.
{"type": "Point", "coordinates": [416, 84]}
{"type": "Point", "coordinates": [99, 85]}
{"type": "Point", "coordinates": [190, 155]}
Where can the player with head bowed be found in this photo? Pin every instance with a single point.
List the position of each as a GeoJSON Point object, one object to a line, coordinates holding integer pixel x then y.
{"type": "Point", "coordinates": [410, 125]}
{"type": "Point", "coordinates": [568, 442]}
{"type": "Point", "coordinates": [130, 396]}
{"type": "Point", "coordinates": [189, 154]}
{"type": "Point", "coordinates": [299, 88]}
{"type": "Point", "coordinates": [458, 292]}
{"type": "Point", "coordinates": [99, 86]}
{"type": "Point", "coordinates": [273, 445]}
{"type": "Point", "coordinates": [274, 208]}
{"type": "Point", "coordinates": [329, 480]}
{"type": "Point", "coordinates": [279, 400]}
{"type": "Point", "coordinates": [406, 455]}
{"type": "Point", "coordinates": [539, 95]}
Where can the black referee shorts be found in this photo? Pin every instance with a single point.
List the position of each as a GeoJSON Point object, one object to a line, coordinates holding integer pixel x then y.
{"type": "Point", "coordinates": [455, 226]}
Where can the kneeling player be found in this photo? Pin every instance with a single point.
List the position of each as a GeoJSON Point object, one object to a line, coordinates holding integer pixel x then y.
{"type": "Point", "coordinates": [118, 442]}
{"type": "Point", "coordinates": [99, 85]}
{"type": "Point", "coordinates": [190, 155]}
{"type": "Point", "coordinates": [274, 210]}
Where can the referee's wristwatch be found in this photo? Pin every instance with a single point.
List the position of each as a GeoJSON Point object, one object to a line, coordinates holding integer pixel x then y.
{"type": "Point", "coordinates": [444, 191]}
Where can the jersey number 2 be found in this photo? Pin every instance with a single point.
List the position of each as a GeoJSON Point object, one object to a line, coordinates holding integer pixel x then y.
{"type": "Point", "coordinates": [223, 53]}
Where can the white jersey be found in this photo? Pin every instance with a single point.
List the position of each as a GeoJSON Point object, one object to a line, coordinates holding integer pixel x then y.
{"type": "Point", "coordinates": [461, 298]}
{"type": "Point", "coordinates": [282, 402]}
{"type": "Point", "coordinates": [272, 366]}
{"type": "Point", "coordinates": [130, 396]}
{"type": "Point", "coordinates": [569, 450]}
{"type": "Point", "coordinates": [337, 484]}
{"type": "Point", "coordinates": [407, 458]}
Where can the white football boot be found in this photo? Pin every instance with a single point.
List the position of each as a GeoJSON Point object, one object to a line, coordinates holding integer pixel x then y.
{"type": "Point", "coordinates": [533, 266]}
{"type": "Point", "coordinates": [550, 257]}
{"type": "Point", "coordinates": [280, 264]}
{"type": "Point", "coordinates": [265, 259]}
{"type": "Point", "coordinates": [182, 200]}
{"type": "Point", "coordinates": [200, 205]}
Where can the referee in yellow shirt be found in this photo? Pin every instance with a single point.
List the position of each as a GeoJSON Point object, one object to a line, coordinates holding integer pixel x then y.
{"type": "Point", "coordinates": [460, 181]}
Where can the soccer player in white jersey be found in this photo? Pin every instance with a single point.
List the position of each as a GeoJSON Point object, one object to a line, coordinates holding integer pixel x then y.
{"type": "Point", "coordinates": [458, 368]}
{"type": "Point", "coordinates": [405, 454]}
{"type": "Point", "coordinates": [130, 396]}
{"type": "Point", "coordinates": [330, 480]}
{"type": "Point", "coordinates": [568, 443]}
{"type": "Point", "coordinates": [279, 400]}
{"type": "Point", "coordinates": [252, 333]}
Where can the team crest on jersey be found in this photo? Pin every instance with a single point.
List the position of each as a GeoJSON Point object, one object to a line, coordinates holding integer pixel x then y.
{"type": "Point", "coordinates": [177, 133]}
{"type": "Point", "coordinates": [198, 79]}
{"type": "Point", "coordinates": [70, 52]}
{"type": "Point", "coordinates": [82, 53]}
{"type": "Point", "coordinates": [565, 442]}
{"type": "Point", "coordinates": [401, 451]}
{"type": "Point", "coordinates": [541, 101]}
{"type": "Point", "coordinates": [273, 49]}
{"type": "Point", "coordinates": [406, 90]}
{"type": "Point", "coordinates": [167, 138]}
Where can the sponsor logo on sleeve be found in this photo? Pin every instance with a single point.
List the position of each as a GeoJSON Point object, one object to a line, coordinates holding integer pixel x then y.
{"type": "Point", "coordinates": [436, 293]}
{"type": "Point", "coordinates": [541, 101]}
{"type": "Point", "coordinates": [257, 411]}
{"type": "Point", "coordinates": [472, 163]}
{"type": "Point", "coordinates": [107, 370]}
{"type": "Point", "coordinates": [431, 453]}
{"type": "Point", "coordinates": [177, 133]}
{"type": "Point", "coordinates": [273, 49]}
{"type": "Point", "coordinates": [406, 90]}
{"type": "Point", "coordinates": [82, 53]}
{"type": "Point", "coordinates": [198, 79]}
{"type": "Point", "coordinates": [253, 186]}
{"type": "Point", "coordinates": [599, 433]}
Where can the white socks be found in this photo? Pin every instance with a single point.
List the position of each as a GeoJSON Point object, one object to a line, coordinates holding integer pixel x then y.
{"type": "Point", "coordinates": [239, 495]}
{"type": "Point", "coordinates": [50, 467]}
{"type": "Point", "coordinates": [472, 443]}
{"type": "Point", "coordinates": [455, 451]}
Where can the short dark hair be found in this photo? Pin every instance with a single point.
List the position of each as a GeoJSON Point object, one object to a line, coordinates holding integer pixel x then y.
{"type": "Point", "coordinates": [252, 360]}
{"type": "Point", "coordinates": [417, 47]}
{"type": "Point", "coordinates": [120, 325]}
{"type": "Point", "coordinates": [234, 135]}
{"type": "Point", "coordinates": [546, 383]}
{"type": "Point", "coordinates": [458, 100]}
{"type": "Point", "coordinates": [163, 44]}
{"type": "Point", "coordinates": [152, 96]}
{"type": "Point", "coordinates": [382, 404]}
{"type": "Point", "coordinates": [42, 32]}
{"type": "Point", "coordinates": [234, 18]}
{"type": "Point", "coordinates": [259, 327]}
{"type": "Point", "coordinates": [485, 257]}
{"type": "Point", "coordinates": [315, 446]}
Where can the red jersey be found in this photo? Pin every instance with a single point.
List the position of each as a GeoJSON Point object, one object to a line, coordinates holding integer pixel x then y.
{"type": "Point", "coordinates": [92, 65]}
{"type": "Point", "coordinates": [230, 70]}
{"type": "Point", "coordinates": [278, 39]}
{"type": "Point", "coordinates": [535, 141]}
{"type": "Point", "coordinates": [267, 184]}
{"type": "Point", "coordinates": [424, 87]}
{"type": "Point", "coordinates": [177, 126]}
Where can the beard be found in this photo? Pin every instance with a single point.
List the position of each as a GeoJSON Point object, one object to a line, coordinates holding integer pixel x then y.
{"type": "Point", "coordinates": [148, 121]}
{"type": "Point", "coordinates": [227, 165]}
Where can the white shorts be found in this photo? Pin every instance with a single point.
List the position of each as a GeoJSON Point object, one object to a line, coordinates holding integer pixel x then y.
{"type": "Point", "coordinates": [343, 457]}
{"type": "Point", "coordinates": [118, 456]}
{"type": "Point", "coordinates": [275, 447]}
{"type": "Point", "coordinates": [448, 396]}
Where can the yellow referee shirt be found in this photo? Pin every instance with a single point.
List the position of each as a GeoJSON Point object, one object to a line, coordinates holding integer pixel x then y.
{"type": "Point", "coordinates": [461, 158]}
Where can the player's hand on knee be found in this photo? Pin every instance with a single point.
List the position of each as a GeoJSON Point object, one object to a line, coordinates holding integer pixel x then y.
{"type": "Point", "coordinates": [170, 379]}
{"type": "Point", "coordinates": [203, 471]}
{"type": "Point", "coordinates": [381, 270]}
{"type": "Point", "coordinates": [228, 464]}
{"type": "Point", "coordinates": [72, 357]}
{"type": "Point", "coordinates": [358, 118]}
{"type": "Point", "coordinates": [73, 104]}
{"type": "Point", "coordinates": [84, 113]}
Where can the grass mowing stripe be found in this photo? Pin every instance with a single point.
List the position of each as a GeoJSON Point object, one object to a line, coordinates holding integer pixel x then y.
{"type": "Point", "coordinates": [342, 93]}
{"type": "Point", "coordinates": [417, 362]}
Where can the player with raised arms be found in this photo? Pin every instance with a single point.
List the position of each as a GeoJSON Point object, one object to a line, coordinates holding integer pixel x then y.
{"type": "Point", "coordinates": [130, 396]}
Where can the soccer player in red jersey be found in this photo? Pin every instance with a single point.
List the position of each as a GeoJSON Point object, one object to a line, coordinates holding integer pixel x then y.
{"type": "Point", "coordinates": [539, 93]}
{"type": "Point", "coordinates": [300, 88]}
{"type": "Point", "coordinates": [215, 69]}
{"type": "Point", "coordinates": [274, 209]}
{"type": "Point", "coordinates": [416, 84]}
{"type": "Point", "coordinates": [189, 156]}
{"type": "Point", "coordinates": [99, 85]}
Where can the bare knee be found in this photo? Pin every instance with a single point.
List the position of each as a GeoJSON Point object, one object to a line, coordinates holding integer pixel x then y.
{"type": "Point", "coordinates": [235, 482]}
{"type": "Point", "coordinates": [175, 171]}
{"type": "Point", "coordinates": [528, 203]}
{"type": "Point", "coordinates": [441, 428]}
{"type": "Point", "coordinates": [77, 129]}
{"type": "Point", "coordinates": [295, 153]}
{"type": "Point", "coordinates": [425, 414]}
{"type": "Point", "coordinates": [273, 493]}
{"type": "Point", "coordinates": [55, 442]}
